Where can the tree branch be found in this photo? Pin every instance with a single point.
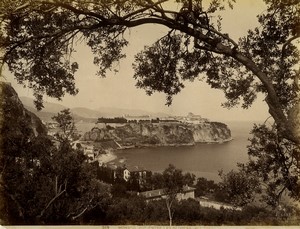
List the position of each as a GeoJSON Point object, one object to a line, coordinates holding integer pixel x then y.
{"type": "Point", "coordinates": [275, 107]}
{"type": "Point", "coordinates": [226, 37]}
{"type": "Point", "coordinates": [80, 214]}
{"type": "Point", "coordinates": [273, 101]}
{"type": "Point", "coordinates": [287, 43]}
{"type": "Point", "coordinates": [53, 199]}
{"type": "Point", "coordinates": [54, 36]}
{"type": "Point", "coordinates": [73, 9]}
{"type": "Point", "coordinates": [142, 9]}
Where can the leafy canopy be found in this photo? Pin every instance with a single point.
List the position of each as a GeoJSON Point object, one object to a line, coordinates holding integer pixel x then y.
{"type": "Point", "coordinates": [38, 38]}
{"type": "Point", "coordinates": [66, 124]}
{"type": "Point", "coordinates": [275, 162]}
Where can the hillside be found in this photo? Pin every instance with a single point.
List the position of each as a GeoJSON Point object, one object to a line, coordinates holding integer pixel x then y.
{"type": "Point", "coordinates": [115, 112]}
{"type": "Point", "coordinates": [16, 122]}
{"type": "Point", "coordinates": [48, 107]}
{"type": "Point", "coordinates": [51, 109]}
{"type": "Point", "coordinates": [82, 113]}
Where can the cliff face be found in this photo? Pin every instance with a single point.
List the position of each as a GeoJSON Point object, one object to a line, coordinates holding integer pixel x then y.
{"type": "Point", "coordinates": [15, 120]}
{"type": "Point", "coordinates": [211, 132]}
{"type": "Point", "coordinates": [147, 134]}
{"type": "Point", "coordinates": [21, 135]}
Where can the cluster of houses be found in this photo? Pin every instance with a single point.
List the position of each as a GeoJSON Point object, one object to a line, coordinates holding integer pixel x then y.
{"type": "Point", "coordinates": [88, 148]}
{"type": "Point", "coordinates": [187, 192]}
{"type": "Point", "coordinates": [193, 119]}
{"type": "Point", "coordinates": [189, 119]}
{"type": "Point", "coordinates": [141, 174]}
{"type": "Point", "coordinates": [125, 172]}
{"type": "Point", "coordinates": [92, 152]}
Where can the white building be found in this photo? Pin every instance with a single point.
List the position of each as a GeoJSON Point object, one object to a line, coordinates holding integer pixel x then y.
{"type": "Point", "coordinates": [194, 119]}
{"type": "Point", "coordinates": [126, 174]}
{"type": "Point", "coordinates": [187, 192]}
{"type": "Point", "coordinates": [217, 205]}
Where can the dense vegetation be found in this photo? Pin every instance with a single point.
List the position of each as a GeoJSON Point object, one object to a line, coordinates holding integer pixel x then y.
{"type": "Point", "coordinates": [46, 183]}
{"type": "Point", "coordinates": [187, 212]}
{"type": "Point", "coordinates": [42, 183]}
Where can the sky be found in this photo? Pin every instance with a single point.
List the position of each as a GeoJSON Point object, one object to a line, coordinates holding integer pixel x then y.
{"type": "Point", "coordinates": [118, 89]}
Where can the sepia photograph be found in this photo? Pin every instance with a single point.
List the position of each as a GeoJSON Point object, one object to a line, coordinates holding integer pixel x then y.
{"type": "Point", "coordinates": [149, 113]}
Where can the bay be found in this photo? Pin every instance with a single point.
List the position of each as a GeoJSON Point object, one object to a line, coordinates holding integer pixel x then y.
{"type": "Point", "coordinates": [203, 160]}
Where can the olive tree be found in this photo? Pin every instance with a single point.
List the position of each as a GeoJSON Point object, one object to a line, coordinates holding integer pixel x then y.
{"type": "Point", "coordinates": [66, 125]}
{"type": "Point", "coordinates": [38, 39]}
{"type": "Point", "coordinates": [275, 162]}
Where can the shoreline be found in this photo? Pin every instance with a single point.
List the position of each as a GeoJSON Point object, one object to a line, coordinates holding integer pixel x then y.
{"type": "Point", "coordinates": [172, 145]}
{"type": "Point", "coordinates": [217, 142]}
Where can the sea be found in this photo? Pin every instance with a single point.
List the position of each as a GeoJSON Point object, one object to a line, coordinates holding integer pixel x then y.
{"type": "Point", "coordinates": [203, 160]}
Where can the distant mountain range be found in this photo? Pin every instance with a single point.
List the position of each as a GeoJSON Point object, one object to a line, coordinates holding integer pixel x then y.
{"type": "Point", "coordinates": [82, 113]}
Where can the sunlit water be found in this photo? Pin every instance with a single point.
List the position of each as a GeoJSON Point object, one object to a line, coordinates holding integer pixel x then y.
{"type": "Point", "coordinates": [203, 160]}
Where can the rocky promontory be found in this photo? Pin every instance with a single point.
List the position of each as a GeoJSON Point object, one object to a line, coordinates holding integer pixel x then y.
{"type": "Point", "coordinates": [15, 120]}
{"type": "Point", "coordinates": [160, 134]}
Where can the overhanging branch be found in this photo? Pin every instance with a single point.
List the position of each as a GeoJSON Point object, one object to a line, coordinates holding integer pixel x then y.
{"type": "Point", "coordinates": [73, 9]}
{"type": "Point", "coordinates": [54, 198]}
{"type": "Point", "coordinates": [290, 40]}
{"type": "Point", "coordinates": [142, 9]}
{"type": "Point", "coordinates": [209, 44]}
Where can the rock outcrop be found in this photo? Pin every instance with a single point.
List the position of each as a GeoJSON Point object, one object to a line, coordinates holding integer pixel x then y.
{"type": "Point", "coordinates": [211, 132]}
{"type": "Point", "coordinates": [22, 136]}
{"type": "Point", "coordinates": [161, 134]}
{"type": "Point", "coordinates": [15, 120]}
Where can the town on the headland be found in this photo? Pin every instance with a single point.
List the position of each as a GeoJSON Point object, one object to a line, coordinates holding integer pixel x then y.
{"type": "Point", "coordinates": [129, 131]}
{"type": "Point", "coordinates": [62, 175]}
{"type": "Point", "coordinates": [100, 143]}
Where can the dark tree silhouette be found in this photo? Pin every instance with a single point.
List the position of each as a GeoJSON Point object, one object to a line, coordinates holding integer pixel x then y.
{"type": "Point", "coordinates": [38, 38]}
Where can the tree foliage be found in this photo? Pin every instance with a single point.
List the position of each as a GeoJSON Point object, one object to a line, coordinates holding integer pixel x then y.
{"type": "Point", "coordinates": [41, 184]}
{"type": "Point", "coordinates": [275, 162]}
{"type": "Point", "coordinates": [204, 187]}
{"type": "Point", "coordinates": [38, 38]}
{"type": "Point", "coordinates": [271, 173]}
{"type": "Point", "coordinates": [54, 187]}
{"type": "Point", "coordinates": [173, 183]}
{"type": "Point", "coordinates": [135, 211]}
{"type": "Point", "coordinates": [239, 189]}
{"type": "Point", "coordinates": [66, 125]}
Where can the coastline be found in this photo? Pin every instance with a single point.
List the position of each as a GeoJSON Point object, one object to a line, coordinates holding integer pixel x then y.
{"type": "Point", "coordinates": [106, 157]}
{"type": "Point", "coordinates": [217, 142]}
{"type": "Point", "coordinates": [172, 145]}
